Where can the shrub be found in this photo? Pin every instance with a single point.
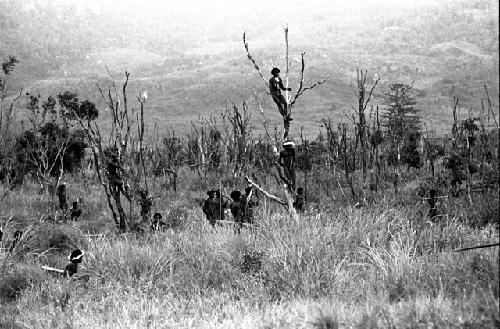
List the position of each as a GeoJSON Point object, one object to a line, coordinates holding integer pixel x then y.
{"type": "Point", "coordinates": [49, 238]}
{"type": "Point", "coordinates": [14, 281]}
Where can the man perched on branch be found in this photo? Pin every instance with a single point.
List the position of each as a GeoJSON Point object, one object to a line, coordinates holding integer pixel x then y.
{"type": "Point", "coordinates": [276, 85]}
{"type": "Point", "coordinates": [287, 162]}
{"type": "Point", "coordinates": [275, 88]}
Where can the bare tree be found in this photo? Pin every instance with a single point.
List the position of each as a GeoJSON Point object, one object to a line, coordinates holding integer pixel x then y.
{"type": "Point", "coordinates": [6, 108]}
{"type": "Point", "coordinates": [205, 149]}
{"type": "Point", "coordinates": [376, 142]}
{"type": "Point", "coordinates": [301, 88]}
{"type": "Point", "coordinates": [241, 124]}
{"type": "Point", "coordinates": [170, 157]}
{"type": "Point", "coordinates": [7, 159]}
{"type": "Point", "coordinates": [289, 192]}
{"type": "Point", "coordinates": [110, 158]}
{"type": "Point", "coordinates": [362, 126]}
{"type": "Point", "coordinates": [42, 157]}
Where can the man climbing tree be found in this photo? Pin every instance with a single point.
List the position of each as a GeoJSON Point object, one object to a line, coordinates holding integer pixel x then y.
{"type": "Point", "coordinates": [115, 172]}
{"type": "Point", "coordinates": [287, 162]}
{"type": "Point", "coordinates": [275, 84]}
{"type": "Point", "coordinates": [275, 88]}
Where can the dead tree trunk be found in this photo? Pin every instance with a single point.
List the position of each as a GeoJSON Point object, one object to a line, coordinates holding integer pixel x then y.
{"type": "Point", "coordinates": [110, 159]}
{"type": "Point", "coordinates": [242, 127]}
{"type": "Point", "coordinates": [363, 101]}
{"type": "Point", "coordinates": [290, 100]}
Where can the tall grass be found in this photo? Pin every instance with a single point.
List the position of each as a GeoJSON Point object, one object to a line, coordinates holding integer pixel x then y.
{"type": "Point", "coordinates": [378, 266]}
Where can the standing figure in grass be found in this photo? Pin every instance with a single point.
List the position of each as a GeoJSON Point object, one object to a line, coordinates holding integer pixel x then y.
{"type": "Point", "coordinates": [115, 174]}
{"type": "Point", "coordinates": [208, 207]}
{"type": "Point", "coordinates": [298, 204]}
{"type": "Point", "coordinates": [433, 204]}
{"type": "Point", "coordinates": [16, 238]}
{"type": "Point", "coordinates": [157, 224]}
{"type": "Point", "coordinates": [213, 207]}
{"type": "Point", "coordinates": [220, 205]}
{"type": "Point", "coordinates": [75, 258]}
{"type": "Point", "coordinates": [61, 195]}
{"type": "Point", "coordinates": [145, 202]}
{"type": "Point", "coordinates": [237, 208]}
{"type": "Point", "coordinates": [75, 211]}
{"type": "Point", "coordinates": [287, 162]}
{"type": "Point", "coordinates": [71, 270]}
{"type": "Point", "coordinates": [275, 88]}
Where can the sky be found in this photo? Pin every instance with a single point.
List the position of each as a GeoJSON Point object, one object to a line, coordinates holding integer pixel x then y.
{"type": "Point", "coordinates": [157, 7]}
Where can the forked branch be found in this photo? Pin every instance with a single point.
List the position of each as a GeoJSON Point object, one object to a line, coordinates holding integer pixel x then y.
{"type": "Point", "coordinates": [253, 61]}
{"type": "Point", "coordinates": [301, 88]}
{"type": "Point", "coordinates": [267, 194]}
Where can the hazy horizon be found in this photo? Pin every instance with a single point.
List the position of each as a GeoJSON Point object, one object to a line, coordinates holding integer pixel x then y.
{"type": "Point", "coordinates": [190, 58]}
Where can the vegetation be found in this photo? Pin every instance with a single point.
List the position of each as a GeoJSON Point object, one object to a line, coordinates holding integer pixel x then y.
{"type": "Point", "coordinates": [369, 258]}
{"type": "Point", "coordinates": [387, 205]}
{"type": "Point", "coordinates": [363, 267]}
{"type": "Point", "coordinates": [449, 48]}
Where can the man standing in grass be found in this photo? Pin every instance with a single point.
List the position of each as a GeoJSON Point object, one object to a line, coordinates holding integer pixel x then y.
{"type": "Point", "coordinates": [213, 207]}
{"type": "Point", "coordinates": [61, 195]}
{"type": "Point", "coordinates": [298, 204]}
{"type": "Point", "coordinates": [237, 208]}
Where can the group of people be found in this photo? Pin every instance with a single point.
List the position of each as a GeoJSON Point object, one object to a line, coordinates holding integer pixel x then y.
{"type": "Point", "coordinates": [241, 206]}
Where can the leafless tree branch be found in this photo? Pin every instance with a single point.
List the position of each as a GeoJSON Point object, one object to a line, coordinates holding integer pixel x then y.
{"type": "Point", "coordinates": [253, 61]}
{"type": "Point", "coordinates": [267, 194]}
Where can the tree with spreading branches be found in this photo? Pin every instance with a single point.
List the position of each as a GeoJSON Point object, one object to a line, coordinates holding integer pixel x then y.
{"type": "Point", "coordinates": [285, 111]}
{"type": "Point", "coordinates": [290, 100]}
{"type": "Point", "coordinates": [112, 157]}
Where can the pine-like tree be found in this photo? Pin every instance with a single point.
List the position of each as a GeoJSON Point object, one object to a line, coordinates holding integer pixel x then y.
{"type": "Point", "coordinates": [402, 123]}
{"type": "Point", "coordinates": [401, 117]}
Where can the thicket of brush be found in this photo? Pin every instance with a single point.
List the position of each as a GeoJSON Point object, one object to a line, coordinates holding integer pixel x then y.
{"type": "Point", "coordinates": [364, 254]}
{"type": "Point", "coordinates": [342, 266]}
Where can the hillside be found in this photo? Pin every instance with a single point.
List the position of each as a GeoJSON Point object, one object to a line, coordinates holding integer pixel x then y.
{"type": "Point", "coordinates": [446, 48]}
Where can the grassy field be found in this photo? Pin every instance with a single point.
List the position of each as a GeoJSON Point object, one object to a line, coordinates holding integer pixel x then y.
{"type": "Point", "coordinates": [382, 264]}
{"type": "Point", "coordinates": [340, 266]}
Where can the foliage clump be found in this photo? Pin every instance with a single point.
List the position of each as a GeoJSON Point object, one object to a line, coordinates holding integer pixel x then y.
{"type": "Point", "coordinates": [49, 238]}
{"type": "Point", "coordinates": [53, 144]}
{"type": "Point", "coordinates": [403, 125]}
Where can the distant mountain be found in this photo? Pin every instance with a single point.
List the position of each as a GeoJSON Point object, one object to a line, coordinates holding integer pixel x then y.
{"type": "Point", "coordinates": [448, 48]}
